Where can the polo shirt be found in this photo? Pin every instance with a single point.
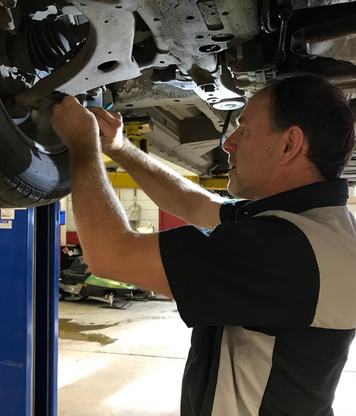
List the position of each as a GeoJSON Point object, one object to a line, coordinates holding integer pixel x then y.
{"type": "Point", "coordinates": [271, 296]}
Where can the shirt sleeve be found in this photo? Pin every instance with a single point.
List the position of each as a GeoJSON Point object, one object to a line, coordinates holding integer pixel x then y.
{"type": "Point", "coordinates": [260, 271]}
{"type": "Point", "coordinates": [228, 210]}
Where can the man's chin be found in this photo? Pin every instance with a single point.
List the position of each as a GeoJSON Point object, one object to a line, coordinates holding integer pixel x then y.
{"type": "Point", "coordinates": [238, 190]}
{"type": "Point", "coordinates": [233, 190]}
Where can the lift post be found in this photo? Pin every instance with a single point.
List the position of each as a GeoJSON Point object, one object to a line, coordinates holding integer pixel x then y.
{"type": "Point", "coordinates": [29, 267]}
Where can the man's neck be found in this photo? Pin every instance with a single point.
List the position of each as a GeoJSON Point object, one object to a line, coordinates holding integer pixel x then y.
{"type": "Point", "coordinates": [288, 184]}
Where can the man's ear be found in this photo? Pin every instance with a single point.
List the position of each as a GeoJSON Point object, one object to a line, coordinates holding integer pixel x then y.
{"type": "Point", "coordinates": [292, 144]}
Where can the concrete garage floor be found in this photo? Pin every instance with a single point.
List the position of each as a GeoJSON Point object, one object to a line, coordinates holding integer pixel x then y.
{"type": "Point", "coordinates": [130, 362]}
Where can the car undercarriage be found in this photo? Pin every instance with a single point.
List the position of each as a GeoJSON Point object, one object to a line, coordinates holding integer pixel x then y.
{"type": "Point", "coordinates": [181, 64]}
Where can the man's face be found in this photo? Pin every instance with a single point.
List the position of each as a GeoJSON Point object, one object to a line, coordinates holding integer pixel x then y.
{"type": "Point", "coordinates": [252, 150]}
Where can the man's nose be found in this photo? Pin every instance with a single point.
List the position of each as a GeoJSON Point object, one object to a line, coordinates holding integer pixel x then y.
{"type": "Point", "coordinates": [230, 143]}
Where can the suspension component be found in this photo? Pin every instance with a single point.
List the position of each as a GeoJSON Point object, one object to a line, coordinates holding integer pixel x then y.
{"type": "Point", "coordinates": [266, 17]}
{"type": "Point", "coordinates": [270, 12]}
{"type": "Point", "coordinates": [284, 16]}
{"type": "Point", "coordinates": [10, 15]}
{"type": "Point", "coordinates": [46, 45]}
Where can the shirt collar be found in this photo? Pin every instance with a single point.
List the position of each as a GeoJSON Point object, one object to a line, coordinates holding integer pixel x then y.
{"type": "Point", "coordinates": [316, 195]}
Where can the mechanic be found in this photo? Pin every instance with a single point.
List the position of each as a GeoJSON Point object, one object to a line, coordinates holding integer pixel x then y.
{"type": "Point", "coordinates": [269, 284]}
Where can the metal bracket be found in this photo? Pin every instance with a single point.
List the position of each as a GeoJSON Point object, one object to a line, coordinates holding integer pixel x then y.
{"type": "Point", "coordinates": [100, 61]}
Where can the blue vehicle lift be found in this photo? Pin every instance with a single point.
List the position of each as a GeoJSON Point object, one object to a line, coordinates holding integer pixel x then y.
{"type": "Point", "coordinates": [29, 267]}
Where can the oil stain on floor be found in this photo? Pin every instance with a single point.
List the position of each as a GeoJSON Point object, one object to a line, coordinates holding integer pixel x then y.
{"type": "Point", "coordinates": [67, 329]}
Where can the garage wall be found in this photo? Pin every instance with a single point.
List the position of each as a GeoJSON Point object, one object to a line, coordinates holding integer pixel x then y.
{"type": "Point", "coordinates": [149, 213]}
{"type": "Point", "coordinates": [149, 210]}
{"type": "Point", "coordinates": [70, 215]}
{"type": "Point", "coordinates": [68, 231]}
{"type": "Point", "coordinates": [352, 201]}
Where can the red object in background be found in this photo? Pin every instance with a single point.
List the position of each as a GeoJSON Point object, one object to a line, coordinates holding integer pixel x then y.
{"type": "Point", "coordinates": [168, 221]}
{"type": "Point", "coordinates": [72, 238]}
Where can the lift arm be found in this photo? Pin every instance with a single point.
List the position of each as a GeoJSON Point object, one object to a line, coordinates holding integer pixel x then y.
{"type": "Point", "coordinates": [122, 180]}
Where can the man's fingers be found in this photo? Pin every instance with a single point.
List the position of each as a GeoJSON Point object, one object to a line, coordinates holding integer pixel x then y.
{"type": "Point", "coordinates": [115, 114]}
{"type": "Point", "coordinates": [68, 102]}
{"type": "Point", "coordinates": [68, 99]}
{"type": "Point", "coordinates": [109, 116]}
{"type": "Point", "coordinates": [71, 102]}
{"type": "Point", "coordinates": [56, 109]}
{"type": "Point", "coordinates": [102, 122]}
{"type": "Point", "coordinates": [105, 126]}
{"type": "Point", "coordinates": [106, 115]}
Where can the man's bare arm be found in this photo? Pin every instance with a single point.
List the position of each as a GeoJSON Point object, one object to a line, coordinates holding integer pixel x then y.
{"type": "Point", "coordinates": [169, 190]}
{"type": "Point", "coordinates": [111, 248]}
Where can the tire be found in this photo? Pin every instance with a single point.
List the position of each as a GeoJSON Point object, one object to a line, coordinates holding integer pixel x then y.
{"type": "Point", "coordinates": [31, 173]}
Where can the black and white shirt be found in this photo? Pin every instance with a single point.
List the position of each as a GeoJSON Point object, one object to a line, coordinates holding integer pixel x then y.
{"type": "Point", "coordinates": [271, 295]}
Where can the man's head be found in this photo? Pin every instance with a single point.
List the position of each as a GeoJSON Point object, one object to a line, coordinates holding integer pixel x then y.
{"type": "Point", "coordinates": [294, 132]}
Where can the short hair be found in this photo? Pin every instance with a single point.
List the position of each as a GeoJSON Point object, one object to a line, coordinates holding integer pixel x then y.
{"type": "Point", "coordinates": [322, 112]}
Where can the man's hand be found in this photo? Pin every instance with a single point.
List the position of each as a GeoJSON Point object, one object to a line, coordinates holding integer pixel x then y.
{"type": "Point", "coordinates": [73, 123]}
{"type": "Point", "coordinates": [111, 125]}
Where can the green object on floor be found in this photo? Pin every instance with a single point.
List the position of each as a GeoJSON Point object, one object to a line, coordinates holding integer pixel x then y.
{"type": "Point", "coordinates": [76, 283]}
{"type": "Point", "coordinates": [96, 281]}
